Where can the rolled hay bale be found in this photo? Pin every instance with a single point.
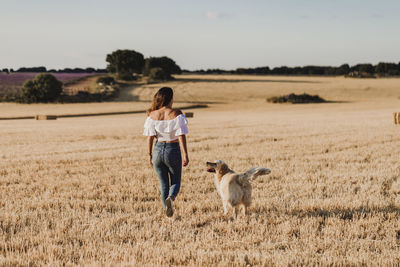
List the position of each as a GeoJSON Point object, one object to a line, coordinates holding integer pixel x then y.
{"type": "Point", "coordinates": [395, 118]}
{"type": "Point", "coordinates": [398, 117]}
{"type": "Point", "coordinates": [45, 117]}
{"type": "Point", "coordinates": [189, 114]}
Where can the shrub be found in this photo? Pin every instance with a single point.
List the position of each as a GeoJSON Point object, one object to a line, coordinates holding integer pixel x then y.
{"type": "Point", "coordinates": [43, 88]}
{"type": "Point", "coordinates": [158, 74]}
{"type": "Point", "coordinates": [296, 99]}
{"type": "Point", "coordinates": [107, 80]}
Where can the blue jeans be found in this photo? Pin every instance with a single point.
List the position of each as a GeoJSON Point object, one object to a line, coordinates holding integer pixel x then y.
{"type": "Point", "coordinates": [167, 163]}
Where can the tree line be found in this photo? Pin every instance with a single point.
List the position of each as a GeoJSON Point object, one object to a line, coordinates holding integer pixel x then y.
{"type": "Point", "coordinates": [124, 64]}
{"type": "Point", "coordinates": [42, 69]}
{"type": "Point", "coordinates": [380, 69]}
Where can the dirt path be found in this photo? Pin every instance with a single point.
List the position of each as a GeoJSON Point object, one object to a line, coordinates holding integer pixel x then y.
{"type": "Point", "coordinates": [127, 93]}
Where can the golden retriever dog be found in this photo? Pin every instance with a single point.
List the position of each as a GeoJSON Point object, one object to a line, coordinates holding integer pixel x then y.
{"type": "Point", "coordinates": [234, 188]}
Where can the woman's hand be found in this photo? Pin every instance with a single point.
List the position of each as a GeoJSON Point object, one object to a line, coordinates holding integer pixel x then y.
{"type": "Point", "coordinates": [182, 144]}
{"type": "Point", "coordinates": [150, 148]}
{"type": "Point", "coordinates": [185, 160]}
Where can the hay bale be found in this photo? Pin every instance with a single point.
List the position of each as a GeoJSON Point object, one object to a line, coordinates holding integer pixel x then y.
{"type": "Point", "coordinates": [398, 117]}
{"type": "Point", "coordinates": [45, 117]}
{"type": "Point", "coordinates": [189, 114]}
{"type": "Point", "coordinates": [395, 117]}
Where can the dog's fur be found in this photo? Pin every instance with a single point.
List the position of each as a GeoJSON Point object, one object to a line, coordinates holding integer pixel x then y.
{"type": "Point", "coordinates": [234, 188]}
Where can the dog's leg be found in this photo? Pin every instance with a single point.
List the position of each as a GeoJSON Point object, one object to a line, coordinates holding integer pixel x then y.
{"type": "Point", "coordinates": [244, 210]}
{"type": "Point", "coordinates": [225, 204]}
{"type": "Point", "coordinates": [236, 211]}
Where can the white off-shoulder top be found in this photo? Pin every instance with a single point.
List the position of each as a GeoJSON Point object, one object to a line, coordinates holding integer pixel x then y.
{"type": "Point", "coordinates": [166, 130]}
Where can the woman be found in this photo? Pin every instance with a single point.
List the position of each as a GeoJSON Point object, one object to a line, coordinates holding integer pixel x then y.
{"type": "Point", "coordinates": [169, 127]}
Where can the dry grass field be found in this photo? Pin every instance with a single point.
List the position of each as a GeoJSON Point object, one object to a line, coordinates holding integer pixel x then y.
{"type": "Point", "coordinates": [79, 191]}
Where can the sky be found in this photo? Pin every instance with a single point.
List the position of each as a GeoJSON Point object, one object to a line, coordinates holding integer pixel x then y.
{"type": "Point", "coordinates": [200, 34]}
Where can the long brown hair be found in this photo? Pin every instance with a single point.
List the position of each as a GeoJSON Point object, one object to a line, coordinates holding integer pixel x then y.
{"type": "Point", "coordinates": [161, 99]}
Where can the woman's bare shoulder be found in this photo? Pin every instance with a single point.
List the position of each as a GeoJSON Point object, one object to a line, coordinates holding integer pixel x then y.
{"type": "Point", "coordinates": [155, 114]}
{"type": "Point", "coordinates": [176, 112]}
{"type": "Point", "coordinates": [173, 113]}
{"type": "Point", "coordinates": [169, 114]}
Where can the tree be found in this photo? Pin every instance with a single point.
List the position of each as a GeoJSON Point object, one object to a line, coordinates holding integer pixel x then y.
{"type": "Point", "coordinates": [381, 68]}
{"type": "Point", "coordinates": [168, 65]}
{"type": "Point", "coordinates": [43, 88]}
{"type": "Point", "coordinates": [367, 68]}
{"type": "Point", "coordinates": [387, 69]}
{"type": "Point", "coordinates": [280, 70]}
{"type": "Point", "coordinates": [90, 70]}
{"type": "Point", "coordinates": [124, 63]}
{"type": "Point", "coordinates": [343, 69]}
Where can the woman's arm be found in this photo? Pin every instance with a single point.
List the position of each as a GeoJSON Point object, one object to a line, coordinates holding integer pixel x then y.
{"type": "Point", "coordinates": [150, 148]}
{"type": "Point", "coordinates": [182, 143]}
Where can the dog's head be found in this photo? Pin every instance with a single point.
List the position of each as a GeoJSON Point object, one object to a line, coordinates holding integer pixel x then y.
{"type": "Point", "coordinates": [218, 166]}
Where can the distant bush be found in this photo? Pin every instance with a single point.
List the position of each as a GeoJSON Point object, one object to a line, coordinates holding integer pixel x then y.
{"type": "Point", "coordinates": [296, 99]}
{"type": "Point", "coordinates": [106, 80]}
{"type": "Point", "coordinates": [357, 74]}
{"type": "Point", "coordinates": [32, 69]}
{"type": "Point", "coordinates": [364, 68]}
{"type": "Point", "coordinates": [158, 74]}
{"type": "Point", "coordinates": [43, 88]}
{"type": "Point", "coordinates": [7, 97]}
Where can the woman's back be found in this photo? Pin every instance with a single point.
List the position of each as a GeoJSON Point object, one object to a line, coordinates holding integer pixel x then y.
{"type": "Point", "coordinates": [164, 114]}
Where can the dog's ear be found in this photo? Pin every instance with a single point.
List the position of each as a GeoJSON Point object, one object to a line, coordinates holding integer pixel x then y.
{"type": "Point", "coordinates": [223, 169]}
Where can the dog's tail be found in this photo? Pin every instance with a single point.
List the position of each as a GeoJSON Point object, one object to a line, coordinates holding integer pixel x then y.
{"type": "Point", "coordinates": [253, 173]}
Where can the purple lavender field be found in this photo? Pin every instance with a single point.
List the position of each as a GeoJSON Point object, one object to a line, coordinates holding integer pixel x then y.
{"type": "Point", "coordinates": [10, 84]}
